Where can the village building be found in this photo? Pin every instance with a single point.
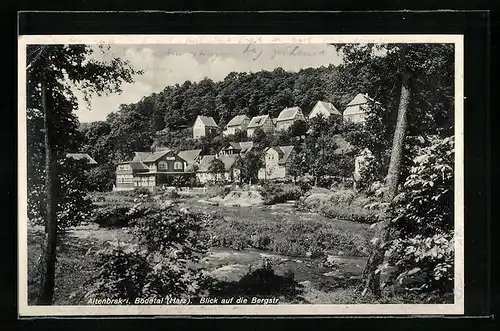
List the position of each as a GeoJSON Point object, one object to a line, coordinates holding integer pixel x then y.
{"type": "Point", "coordinates": [89, 161]}
{"type": "Point", "coordinates": [236, 148]}
{"type": "Point", "coordinates": [205, 174]}
{"type": "Point", "coordinates": [277, 161]}
{"type": "Point", "coordinates": [326, 109]}
{"type": "Point", "coordinates": [237, 123]}
{"type": "Point", "coordinates": [287, 117]}
{"type": "Point", "coordinates": [203, 126]}
{"type": "Point", "coordinates": [148, 169]}
{"type": "Point", "coordinates": [263, 121]}
{"type": "Point", "coordinates": [357, 110]}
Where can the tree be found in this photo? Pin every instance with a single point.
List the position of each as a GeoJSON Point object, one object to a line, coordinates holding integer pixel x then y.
{"type": "Point", "coordinates": [217, 168]}
{"type": "Point", "coordinates": [51, 71]}
{"type": "Point", "coordinates": [298, 128]}
{"type": "Point", "coordinates": [249, 165]}
{"type": "Point", "coordinates": [411, 67]}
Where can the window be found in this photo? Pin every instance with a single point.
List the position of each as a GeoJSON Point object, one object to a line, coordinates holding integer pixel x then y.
{"type": "Point", "coordinates": [123, 166]}
{"type": "Point", "coordinates": [178, 165]}
{"type": "Point", "coordinates": [162, 165]}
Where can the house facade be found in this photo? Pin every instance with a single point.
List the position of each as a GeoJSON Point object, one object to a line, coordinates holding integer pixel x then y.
{"type": "Point", "coordinates": [277, 161]}
{"type": "Point", "coordinates": [148, 169]}
{"type": "Point", "coordinates": [203, 126]}
{"type": "Point", "coordinates": [326, 109]}
{"type": "Point", "coordinates": [237, 123]}
{"type": "Point", "coordinates": [205, 174]}
{"type": "Point", "coordinates": [357, 110]}
{"type": "Point", "coordinates": [263, 121]}
{"type": "Point", "coordinates": [287, 117]}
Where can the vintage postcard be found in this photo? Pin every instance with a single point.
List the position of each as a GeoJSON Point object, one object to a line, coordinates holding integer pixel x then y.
{"type": "Point", "coordinates": [240, 175]}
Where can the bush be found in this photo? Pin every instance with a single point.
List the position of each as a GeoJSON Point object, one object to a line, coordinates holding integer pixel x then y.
{"type": "Point", "coordinates": [161, 264]}
{"type": "Point", "coordinates": [342, 204]}
{"type": "Point", "coordinates": [112, 216]}
{"type": "Point", "coordinates": [299, 238]}
{"type": "Point", "coordinates": [422, 248]}
{"type": "Point", "coordinates": [73, 205]}
{"type": "Point", "coordinates": [279, 192]}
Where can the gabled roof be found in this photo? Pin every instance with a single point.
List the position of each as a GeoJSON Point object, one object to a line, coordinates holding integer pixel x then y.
{"type": "Point", "coordinates": [135, 165]}
{"type": "Point", "coordinates": [258, 121]}
{"type": "Point", "coordinates": [189, 155]}
{"type": "Point", "coordinates": [329, 106]}
{"type": "Point", "coordinates": [360, 99]}
{"type": "Point", "coordinates": [207, 120]}
{"type": "Point", "coordinates": [148, 157]}
{"type": "Point", "coordinates": [237, 120]}
{"type": "Point", "coordinates": [205, 162]}
{"type": "Point", "coordinates": [288, 114]}
{"type": "Point", "coordinates": [82, 156]}
{"type": "Point", "coordinates": [242, 147]}
{"type": "Point", "coordinates": [228, 161]}
{"type": "Point", "coordinates": [284, 153]}
{"type": "Point", "coordinates": [246, 146]}
{"type": "Point", "coordinates": [355, 106]}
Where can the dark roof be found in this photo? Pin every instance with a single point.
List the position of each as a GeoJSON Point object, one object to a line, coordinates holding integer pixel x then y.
{"type": "Point", "coordinates": [205, 163]}
{"type": "Point", "coordinates": [189, 155]}
{"type": "Point", "coordinates": [208, 121]}
{"type": "Point", "coordinates": [228, 161]}
{"type": "Point", "coordinates": [258, 121]}
{"type": "Point", "coordinates": [237, 120]}
{"type": "Point", "coordinates": [241, 147]}
{"type": "Point", "coordinates": [82, 156]}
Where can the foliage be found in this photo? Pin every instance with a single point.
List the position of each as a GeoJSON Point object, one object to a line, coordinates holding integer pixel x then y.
{"type": "Point", "coordinates": [342, 204]}
{"type": "Point", "coordinates": [112, 216]}
{"type": "Point", "coordinates": [423, 244]}
{"type": "Point", "coordinates": [273, 192]}
{"type": "Point", "coordinates": [100, 178]}
{"type": "Point", "coordinates": [160, 264]}
{"type": "Point", "coordinates": [377, 70]}
{"type": "Point", "coordinates": [298, 237]}
{"type": "Point", "coordinates": [217, 168]}
{"type": "Point", "coordinates": [249, 165]}
{"type": "Point", "coordinates": [73, 206]}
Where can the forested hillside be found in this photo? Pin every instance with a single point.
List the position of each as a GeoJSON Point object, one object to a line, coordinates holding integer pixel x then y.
{"type": "Point", "coordinates": [165, 118]}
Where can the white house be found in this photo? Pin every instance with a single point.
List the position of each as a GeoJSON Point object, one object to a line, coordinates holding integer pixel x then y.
{"type": "Point", "coordinates": [263, 121]}
{"type": "Point", "coordinates": [324, 108]}
{"type": "Point", "coordinates": [357, 110]}
{"type": "Point", "coordinates": [287, 117]}
{"type": "Point", "coordinates": [237, 123]}
{"type": "Point", "coordinates": [276, 162]}
{"type": "Point", "coordinates": [203, 125]}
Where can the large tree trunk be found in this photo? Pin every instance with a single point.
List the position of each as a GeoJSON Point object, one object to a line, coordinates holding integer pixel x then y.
{"type": "Point", "coordinates": [49, 254]}
{"type": "Point", "coordinates": [370, 275]}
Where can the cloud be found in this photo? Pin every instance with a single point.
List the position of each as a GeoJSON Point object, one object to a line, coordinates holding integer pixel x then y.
{"type": "Point", "coordinates": [165, 65]}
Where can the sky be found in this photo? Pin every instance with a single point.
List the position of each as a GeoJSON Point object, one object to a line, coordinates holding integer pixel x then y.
{"type": "Point", "coordinates": [169, 64]}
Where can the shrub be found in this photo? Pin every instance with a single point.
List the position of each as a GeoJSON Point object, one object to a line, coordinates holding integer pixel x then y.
{"type": "Point", "coordinates": [279, 192]}
{"type": "Point", "coordinates": [422, 247]}
{"type": "Point", "coordinates": [73, 204]}
{"type": "Point", "coordinates": [112, 216]}
{"type": "Point", "coordinates": [298, 238]}
{"type": "Point", "coordinates": [342, 204]}
{"type": "Point", "coordinates": [161, 264]}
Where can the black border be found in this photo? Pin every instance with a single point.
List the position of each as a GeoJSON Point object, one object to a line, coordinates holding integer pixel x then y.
{"type": "Point", "coordinates": [473, 24]}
